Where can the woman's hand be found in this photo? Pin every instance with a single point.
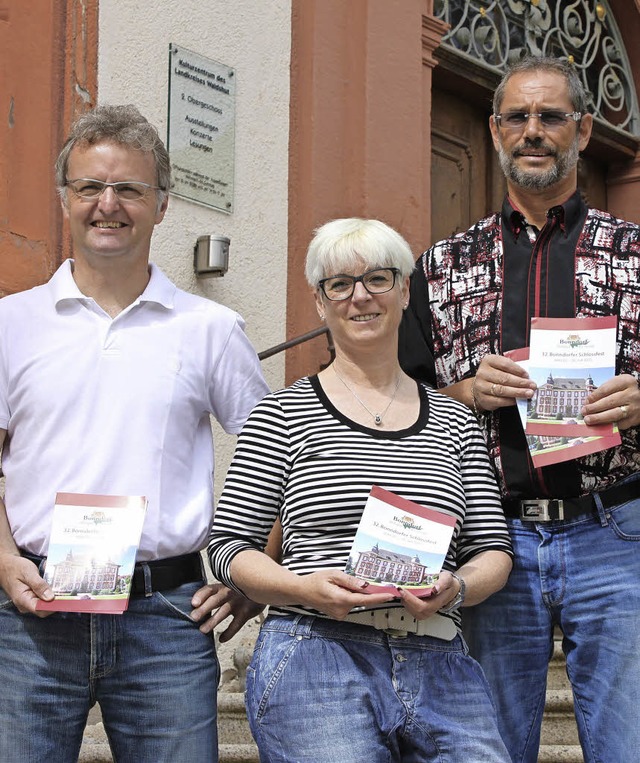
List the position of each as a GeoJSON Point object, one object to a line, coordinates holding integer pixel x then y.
{"type": "Point", "coordinates": [483, 575]}
{"type": "Point", "coordinates": [422, 607]}
{"type": "Point", "coordinates": [335, 593]}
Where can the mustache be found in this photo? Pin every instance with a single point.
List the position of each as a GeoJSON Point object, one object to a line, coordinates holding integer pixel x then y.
{"type": "Point", "coordinates": [537, 143]}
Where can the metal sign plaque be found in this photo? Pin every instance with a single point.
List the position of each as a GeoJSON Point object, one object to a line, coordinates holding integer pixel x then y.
{"type": "Point", "coordinates": [201, 134]}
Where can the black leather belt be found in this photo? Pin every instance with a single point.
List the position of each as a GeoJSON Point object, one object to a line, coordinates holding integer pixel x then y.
{"type": "Point", "coordinates": [548, 509]}
{"type": "Point", "coordinates": [168, 573]}
{"type": "Point", "coordinates": [164, 573]}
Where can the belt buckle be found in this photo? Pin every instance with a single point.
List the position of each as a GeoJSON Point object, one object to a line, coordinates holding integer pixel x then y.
{"type": "Point", "coordinates": [395, 632]}
{"type": "Point", "coordinates": [539, 509]}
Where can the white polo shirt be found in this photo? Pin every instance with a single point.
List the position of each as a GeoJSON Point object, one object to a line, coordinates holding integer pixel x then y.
{"type": "Point", "coordinates": [119, 406]}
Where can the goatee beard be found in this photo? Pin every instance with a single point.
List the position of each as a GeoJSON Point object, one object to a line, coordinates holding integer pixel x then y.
{"type": "Point", "coordinates": [564, 163]}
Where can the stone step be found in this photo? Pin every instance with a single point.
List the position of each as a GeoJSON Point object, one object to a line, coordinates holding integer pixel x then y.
{"type": "Point", "coordinates": [95, 748]}
{"type": "Point", "coordinates": [560, 754]}
{"type": "Point", "coordinates": [557, 676]}
{"type": "Point", "coordinates": [233, 727]}
{"type": "Point", "coordinates": [559, 723]}
{"type": "Point", "coordinates": [238, 753]}
{"type": "Point", "coordinates": [559, 739]}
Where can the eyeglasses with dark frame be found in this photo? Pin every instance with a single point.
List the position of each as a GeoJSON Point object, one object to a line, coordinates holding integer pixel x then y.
{"type": "Point", "coordinates": [126, 190]}
{"type": "Point", "coordinates": [550, 120]}
{"type": "Point", "coordinates": [377, 281]}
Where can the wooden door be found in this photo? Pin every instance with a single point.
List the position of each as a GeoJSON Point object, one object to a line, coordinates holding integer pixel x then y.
{"type": "Point", "coordinates": [466, 181]}
{"type": "Point", "coordinates": [592, 181]}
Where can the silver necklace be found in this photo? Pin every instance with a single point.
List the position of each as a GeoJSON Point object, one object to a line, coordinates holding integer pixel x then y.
{"type": "Point", "coordinates": [377, 417]}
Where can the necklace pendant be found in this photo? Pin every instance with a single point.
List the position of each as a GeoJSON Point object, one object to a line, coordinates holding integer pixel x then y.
{"type": "Point", "coordinates": [377, 417]}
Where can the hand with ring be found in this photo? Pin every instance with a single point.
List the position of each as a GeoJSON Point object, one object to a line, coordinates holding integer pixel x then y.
{"type": "Point", "coordinates": [498, 382]}
{"type": "Point", "coordinates": [616, 401]}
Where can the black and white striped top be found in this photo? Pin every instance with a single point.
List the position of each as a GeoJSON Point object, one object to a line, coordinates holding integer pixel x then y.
{"type": "Point", "coordinates": [301, 459]}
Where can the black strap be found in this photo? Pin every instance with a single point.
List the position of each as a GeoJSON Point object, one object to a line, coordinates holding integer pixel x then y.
{"type": "Point", "coordinates": [585, 504]}
{"type": "Point", "coordinates": [168, 573]}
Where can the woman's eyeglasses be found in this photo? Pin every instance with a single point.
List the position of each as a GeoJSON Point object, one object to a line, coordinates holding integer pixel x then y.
{"type": "Point", "coordinates": [376, 281]}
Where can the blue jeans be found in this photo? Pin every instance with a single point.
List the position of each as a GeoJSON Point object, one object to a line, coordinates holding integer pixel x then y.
{"type": "Point", "coordinates": [582, 575]}
{"type": "Point", "coordinates": [152, 671]}
{"type": "Point", "coordinates": [321, 691]}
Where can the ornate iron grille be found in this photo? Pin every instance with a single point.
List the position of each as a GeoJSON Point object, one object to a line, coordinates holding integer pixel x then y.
{"type": "Point", "coordinates": [497, 32]}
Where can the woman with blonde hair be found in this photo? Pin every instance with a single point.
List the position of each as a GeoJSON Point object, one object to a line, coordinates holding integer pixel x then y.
{"type": "Point", "coordinates": [339, 673]}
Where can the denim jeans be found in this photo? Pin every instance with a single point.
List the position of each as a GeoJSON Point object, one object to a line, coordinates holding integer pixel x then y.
{"type": "Point", "coordinates": [152, 671]}
{"type": "Point", "coordinates": [582, 575]}
{"type": "Point", "coordinates": [321, 691]}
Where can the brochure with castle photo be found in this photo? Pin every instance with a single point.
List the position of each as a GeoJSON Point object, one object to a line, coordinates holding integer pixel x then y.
{"type": "Point", "coordinates": [557, 446]}
{"type": "Point", "coordinates": [399, 544]}
{"type": "Point", "coordinates": [569, 358]}
{"type": "Point", "coordinates": [92, 551]}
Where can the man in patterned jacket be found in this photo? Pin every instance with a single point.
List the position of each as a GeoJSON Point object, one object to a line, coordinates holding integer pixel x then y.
{"type": "Point", "coordinates": [577, 563]}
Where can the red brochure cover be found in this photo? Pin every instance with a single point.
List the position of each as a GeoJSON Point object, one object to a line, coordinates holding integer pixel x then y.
{"type": "Point", "coordinates": [559, 445]}
{"type": "Point", "coordinates": [92, 550]}
{"type": "Point", "coordinates": [399, 544]}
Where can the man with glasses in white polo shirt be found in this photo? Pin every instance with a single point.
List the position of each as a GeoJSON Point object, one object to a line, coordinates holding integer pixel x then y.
{"type": "Point", "coordinates": [108, 376]}
{"type": "Point", "coordinates": [575, 526]}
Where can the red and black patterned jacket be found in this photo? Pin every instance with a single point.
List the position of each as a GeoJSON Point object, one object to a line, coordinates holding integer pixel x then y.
{"type": "Point", "coordinates": [456, 313]}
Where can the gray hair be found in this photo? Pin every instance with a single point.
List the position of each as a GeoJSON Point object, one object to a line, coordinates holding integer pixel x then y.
{"type": "Point", "coordinates": [125, 126]}
{"type": "Point", "coordinates": [577, 93]}
{"type": "Point", "coordinates": [338, 245]}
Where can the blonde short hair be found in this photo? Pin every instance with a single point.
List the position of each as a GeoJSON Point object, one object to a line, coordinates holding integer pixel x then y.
{"type": "Point", "coordinates": [338, 245]}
